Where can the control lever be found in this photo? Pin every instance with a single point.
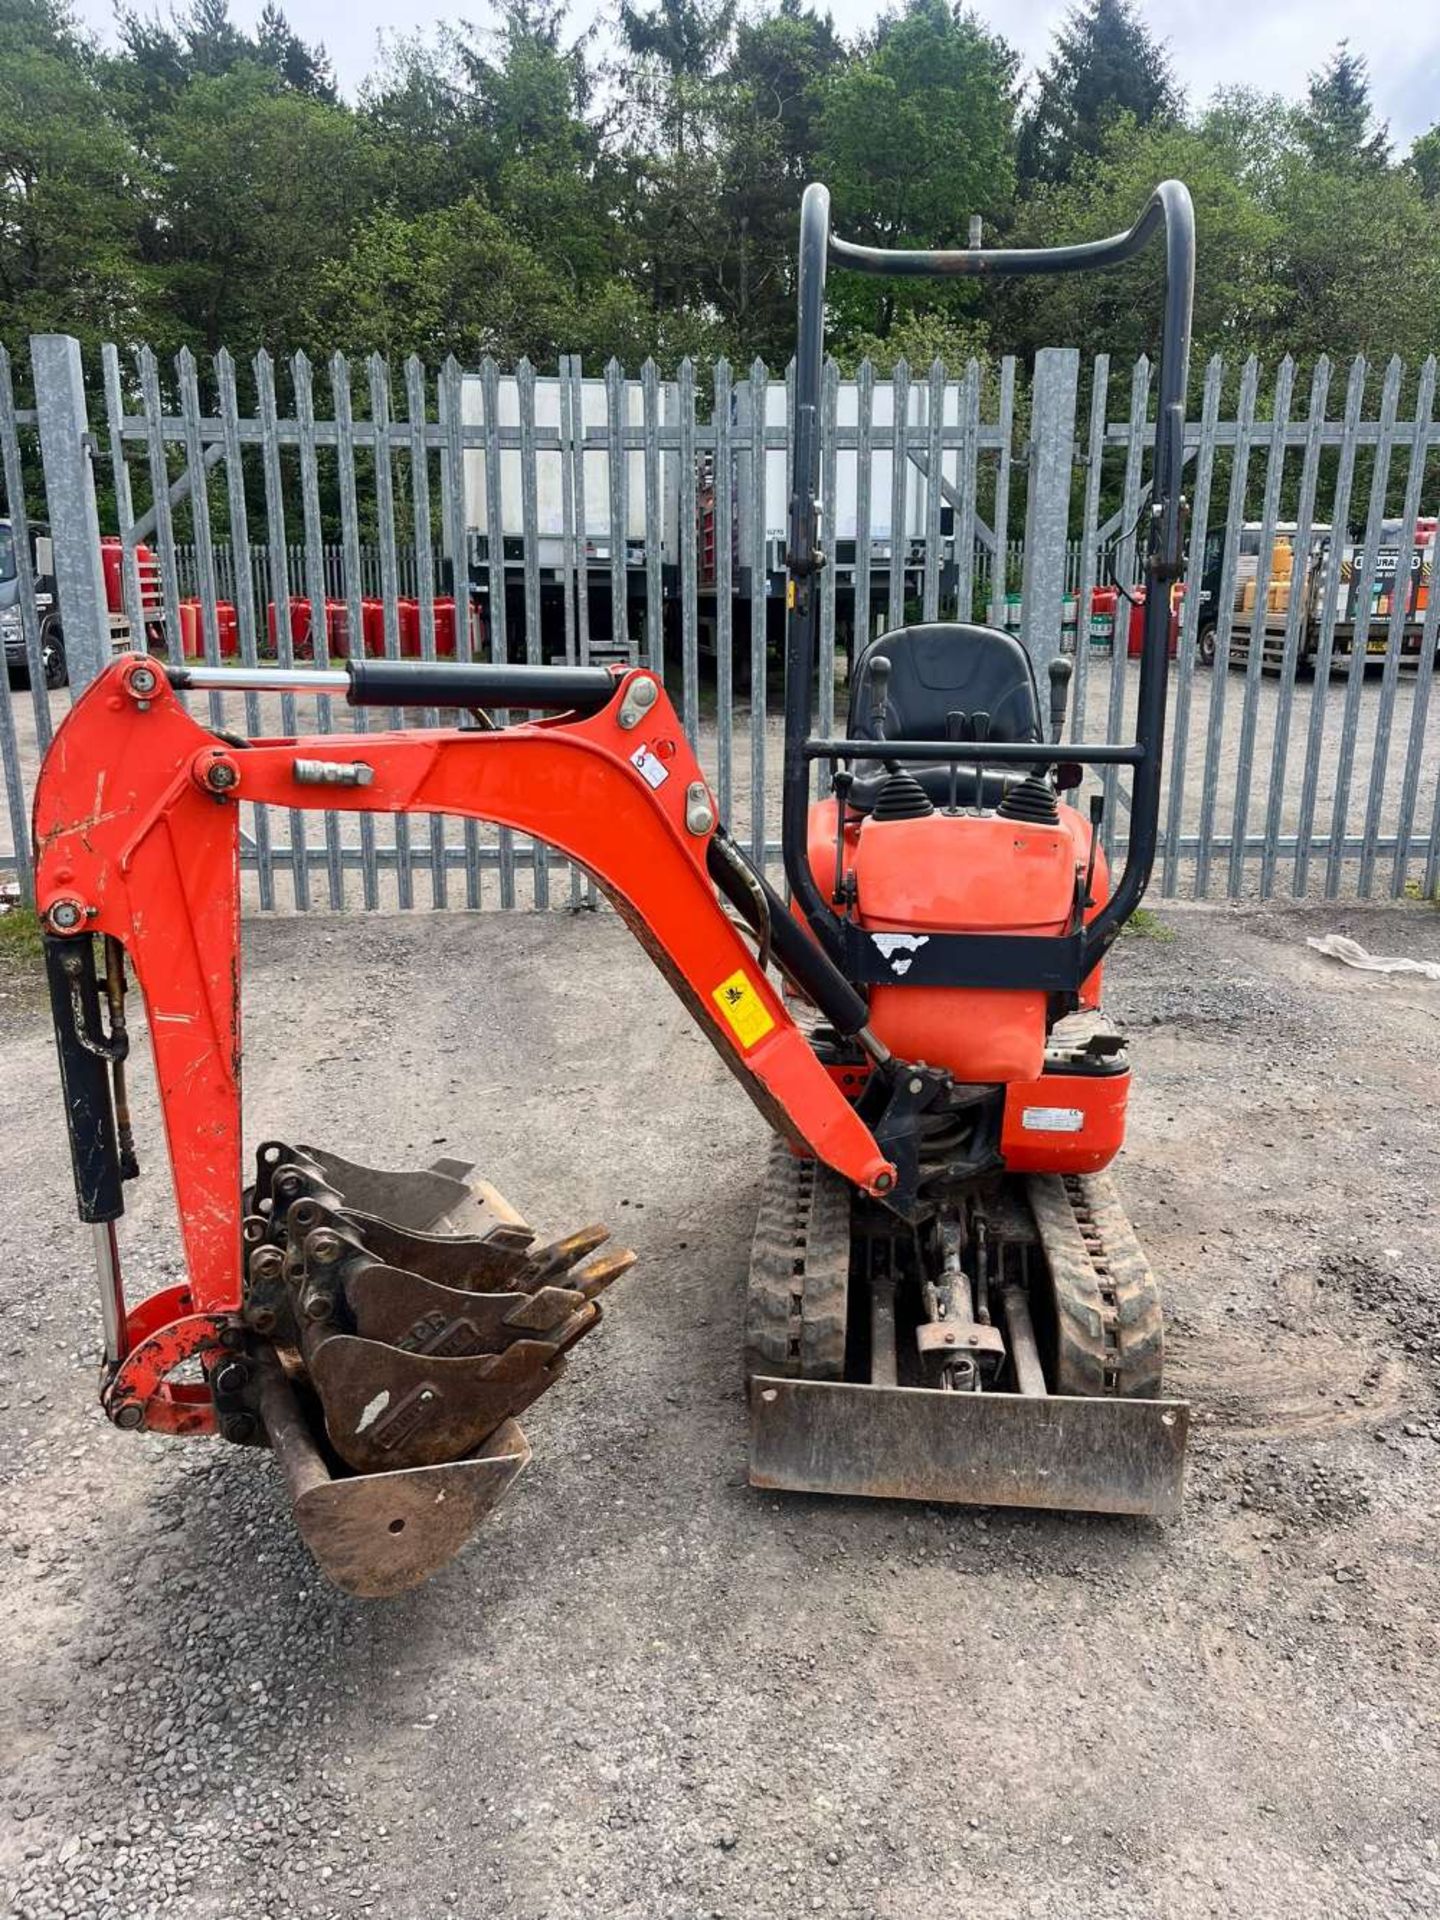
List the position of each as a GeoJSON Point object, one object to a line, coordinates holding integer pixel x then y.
{"type": "Point", "coordinates": [842, 781]}
{"type": "Point", "coordinates": [879, 694]}
{"type": "Point", "coordinates": [954, 730]}
{"type": "Point", "coordinates": [880, 668]}
{"type": "Point", "coordinates": [1061, 668]}
{"type": "Point", "coordinates": [1097, 814]}
{"type": "Point", "coordinates": [980, 728]}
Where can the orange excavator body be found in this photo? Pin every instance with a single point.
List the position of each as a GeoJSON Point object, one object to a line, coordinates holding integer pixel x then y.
{"type": "Point", "coordinates": [954, 872]}
{"type": "Point", "coordinates": [945, 1301]}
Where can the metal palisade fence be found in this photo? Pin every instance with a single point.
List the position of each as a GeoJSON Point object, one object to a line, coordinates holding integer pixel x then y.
{"type": "Point", "coordinates": [304, 513]}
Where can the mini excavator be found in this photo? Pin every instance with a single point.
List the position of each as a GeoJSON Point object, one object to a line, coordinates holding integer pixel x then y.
{"type": "Point", "coordinates": [945, 1303]}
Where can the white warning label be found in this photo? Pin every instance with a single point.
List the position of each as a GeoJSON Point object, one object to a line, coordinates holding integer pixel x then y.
{"type": "Point", "coordinates": [650, 767]}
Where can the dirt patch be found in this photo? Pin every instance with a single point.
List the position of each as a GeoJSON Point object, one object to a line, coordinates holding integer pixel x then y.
{"type": "Point", "coordinates": [1286, 1384]}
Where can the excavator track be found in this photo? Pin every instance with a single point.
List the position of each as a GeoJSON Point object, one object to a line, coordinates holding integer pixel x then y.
{"type": "Point", "coordinates": [1078, 1427]}
{"type": "Point", "coordinates": [799, 1271]}
{"type": "Point", "coordinates": [1110, 1338]}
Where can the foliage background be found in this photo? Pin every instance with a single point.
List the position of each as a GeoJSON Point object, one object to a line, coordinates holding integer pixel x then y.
{"type": "Point", "coordinates": [524, 188]}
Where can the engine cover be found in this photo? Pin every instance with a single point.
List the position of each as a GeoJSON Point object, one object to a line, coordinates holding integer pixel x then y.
{"type": "Point", "coordinates": [961, 873]}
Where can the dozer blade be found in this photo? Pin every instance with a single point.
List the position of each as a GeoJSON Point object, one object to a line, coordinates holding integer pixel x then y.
{"type": "Point", "coordinates": [376, 1534]}
{"type": "Point", "coordinates": [985, 1449]}
{"type": "Point", "coordinates": [1102, 1442]}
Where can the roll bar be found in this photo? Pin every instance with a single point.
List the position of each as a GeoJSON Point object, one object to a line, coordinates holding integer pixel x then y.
{"type": "Point", "coordinates": [1168, 212]}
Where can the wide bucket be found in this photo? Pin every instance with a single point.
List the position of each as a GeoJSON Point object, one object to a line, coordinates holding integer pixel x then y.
{"type": "Point", "coordinates": [375, 1534]}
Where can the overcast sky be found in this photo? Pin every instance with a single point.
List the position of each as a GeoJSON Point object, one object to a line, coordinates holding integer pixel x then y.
{"type": "Point", "coordinates": [1271, 44]}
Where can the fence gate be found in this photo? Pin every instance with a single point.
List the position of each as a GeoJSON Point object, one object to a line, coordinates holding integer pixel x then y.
{"type": "Point", "coordinates": [304, 512]}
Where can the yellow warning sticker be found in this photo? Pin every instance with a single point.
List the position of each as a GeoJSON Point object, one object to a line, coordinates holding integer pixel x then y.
{"type": "Point", "coordinates": [747, 1014]}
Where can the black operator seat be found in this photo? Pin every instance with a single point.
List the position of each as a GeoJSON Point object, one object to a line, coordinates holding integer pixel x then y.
{"type": "Point", "coordinates": [935, 670]}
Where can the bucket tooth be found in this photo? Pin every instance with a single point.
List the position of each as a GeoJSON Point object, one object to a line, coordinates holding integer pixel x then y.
{"type": "Point", "coordinates": [596, 1275]}
{"type": "Point", "coordinates": [557, 1256]}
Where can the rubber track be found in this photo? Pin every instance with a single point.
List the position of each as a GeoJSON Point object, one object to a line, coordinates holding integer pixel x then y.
{"type": "Point", "coordinates": [1111, 1337]}
{"type": "Point", "coordinates": [799, 1271]}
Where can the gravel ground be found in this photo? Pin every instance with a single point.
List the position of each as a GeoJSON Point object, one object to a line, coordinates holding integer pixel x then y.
{"type": "Point", "coordinates": [647, 1690]}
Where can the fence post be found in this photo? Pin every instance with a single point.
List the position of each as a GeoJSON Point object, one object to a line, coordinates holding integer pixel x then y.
{"type": "Point", "coordinates": [1047, 504]}
{"type": "Point", "coordinates": [70, 502]}
{"type": "Point", "coordinates": [65, 448]}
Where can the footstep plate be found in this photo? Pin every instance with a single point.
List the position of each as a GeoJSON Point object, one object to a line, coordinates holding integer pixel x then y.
{"type": "Point", "coordinates": [970, 1449]}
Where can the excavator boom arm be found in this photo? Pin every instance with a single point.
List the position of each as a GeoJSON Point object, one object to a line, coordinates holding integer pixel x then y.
{"type": "Point", "coordinates": [137, 830]}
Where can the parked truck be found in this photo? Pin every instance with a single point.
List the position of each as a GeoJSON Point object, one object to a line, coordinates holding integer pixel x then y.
{"type": "Point", "coordinates": [593, 521]}
{"type": "Point", "coordinates": [757, 505]}
{"type": "Point", "coordinates": [891, 545]}
{"type": "Point", "coordinates": [54, 667]}
{"type": "Point", "coordinates": [1307, 574]}
{"type": "Point", "coordinates": [12, 623]}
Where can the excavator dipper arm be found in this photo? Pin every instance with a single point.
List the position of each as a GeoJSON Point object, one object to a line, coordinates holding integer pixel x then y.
{"type": "Point", "coordinates": [137, 831]}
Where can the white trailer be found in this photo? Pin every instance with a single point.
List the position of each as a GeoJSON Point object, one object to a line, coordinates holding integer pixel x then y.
{"type": "Point", "coordinates": [841, 536]}
{"type": "Point", "coordinates": [550, 479]}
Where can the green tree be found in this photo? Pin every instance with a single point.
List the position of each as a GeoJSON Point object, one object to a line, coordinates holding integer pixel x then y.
{"type": "Point", "coordinates": [304, 69]}
{"type": "Point", "coordinates": [1255, 132]}
{"type": "Point", "coordinates": [159, 59]}
{"type": "Point", "coordinates": [920, 338]}
{"type": "Point", "coordinates": [540, 155]}
{"type": "Point", "coordinates": [675, 48]}
{"type": "Point", "coordinates": [259, 187]}
{"type": "Point", "coordinates": [1105, 65]}
{"type": "Point", "coordinates": [917, 133]}
{"type": "Point", "coordinates": [767, 112]}
{"type": "Point", "coordinates": [211, 41]}
{"type": "Point", "coordinates": [1335, 124]}
{"type": "Point", "coordinates": [420, 112]}
{"type": "Point", "coordinates": [459, 280]}
{"type": "Point", "coordinates": [507, 191]}
{"type": "Point", "coordinates": [1360, 267]}
{"type": "Point", "coordinates": [71, 186]}
{"type": "Point", "coordinates": [670, 206]}
{"type": "Point", "coordinates": [510, 119]}
{"type": "Point", "coordinates": [1425, 162]}
{"type": "Point", "coordinates": [1118, 312]}
{"type": "Point", "coordinates": [455, 280]}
